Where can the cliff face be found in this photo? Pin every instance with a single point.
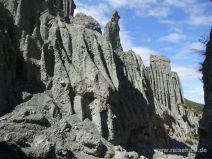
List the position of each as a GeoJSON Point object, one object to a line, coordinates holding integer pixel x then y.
{"type": "Point", "coordinates": [165, 84]}
{"type": "Point", "coordinates": [205, 127]}
{"type": "Point", "coordinates": [168, 97]}
{"type": "Point", "coordinates": [75, 92]}
{"type": "Point", "coordinates": [7, 60]}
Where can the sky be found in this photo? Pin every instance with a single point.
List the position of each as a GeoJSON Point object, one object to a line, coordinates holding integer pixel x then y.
{"type": "Point", "coordinates": [174, 28]}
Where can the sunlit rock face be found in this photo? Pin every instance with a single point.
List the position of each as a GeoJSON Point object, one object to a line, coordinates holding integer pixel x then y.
{"type": "Point", "coordinates": [165, 83]}
{"type": "Point", "coordinates": [72, 90]}
{"type": "Point", "coordinates": [168, 97]}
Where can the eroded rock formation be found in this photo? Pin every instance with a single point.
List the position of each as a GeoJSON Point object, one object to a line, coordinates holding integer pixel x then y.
{"type": "Point", "coordinates": [7, 60]}
{"type": "Point", "coordinates": [205, 128]}
{"type": "Point", "coordinates": [165, 83]}
{"type": "Point", "coordinates": [168, 98]}
{"type": "Point", "coordinates": [75, 92]}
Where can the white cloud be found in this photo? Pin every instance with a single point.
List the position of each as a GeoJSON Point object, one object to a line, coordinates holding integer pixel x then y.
{"type": "Point", "coordinates": [131, 4]}
{"type": "Point", "coordinates": [127, 44]}
{"type": "Point", "coordinates": [97, 11]}
{"type": "Point", "coordinates": [195, 46]}
{"type": "Point", "coordinates": [200, 20]}
{"type": "Point", "coordinates": [126, 39]}
{"type": "Point", "coordinates": [187, 73]}
{"type": "Point", "coordinates": [189, 48]}
{"type": "Point", "coordinates": [158, 12]}
{"type": "Point", "coordinates": [100, 11]}
{"type": "Point", "coordinates": [195, 93]}
{"type": "Point", "coordinates": [167, 21]}
{"type": "Point", "coordinates": [173, 37]}
{"type": "Point", "coordinates": [145, 8]}
{"type": "Point", "coordinates": [195, 11]}
{"type": "Point", "coordinates": [144, 53]}
{"type": "Point", "coordinates": [191, 81]}
{"type": "Point", "coordinates": [177, 30]}
{"type": "Point", "coordinates": [178, 3]}
{"type": "Point", "coordinates": [146, 39]}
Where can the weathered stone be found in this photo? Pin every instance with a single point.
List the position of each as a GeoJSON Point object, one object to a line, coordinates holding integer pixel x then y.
{"type": "Point", "coordinates": [79, 93]}
{"type": "Point", "coordinates": [205, 128]}
{"type": "Point", "coordinates": [167, 87]}
{"type": "Point", "coordinates": [111, 32]}
{"type": "Point", "coordinates": [87, 22]}
{"type": "Point", "coordinates": [168, 95]}
{"type": "Point", "coordinates": [64, 8]}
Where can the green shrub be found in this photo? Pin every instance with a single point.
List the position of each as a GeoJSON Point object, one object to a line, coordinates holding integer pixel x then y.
{"type": "Point", "coordinates": [197, 108]}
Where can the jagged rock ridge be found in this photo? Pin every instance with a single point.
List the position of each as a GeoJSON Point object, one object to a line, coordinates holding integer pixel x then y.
{"type": "Point", "coordinates": [68, 83]}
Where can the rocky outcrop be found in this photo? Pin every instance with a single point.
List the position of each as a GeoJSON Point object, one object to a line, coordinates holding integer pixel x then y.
{"type": "Point", "coordinates": [168, 98]}
{"type": "Point", "coordinates": [165, 83]}
{"type": "Point", "coordinates": [66, 71]}
{"type": "Point", "coordinates": [77, 93]}
{"type": "Point", "coordinates": [86, 21]}
{"type": "Point", "coordinates": [205, 128]}
{"type": "Point", "coordinates": [111, 33]}
{"type": "Point", "coordinates": [7, 60]}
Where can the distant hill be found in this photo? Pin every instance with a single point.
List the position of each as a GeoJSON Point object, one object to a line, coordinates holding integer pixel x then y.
{"type": "Point", "coordinates": [195, 107]}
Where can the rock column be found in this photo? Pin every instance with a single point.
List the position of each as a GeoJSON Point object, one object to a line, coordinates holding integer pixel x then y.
{"type": "Point", "coordinates": [205, 128]}
{"type": "Point", "coordinates": [165, 83]}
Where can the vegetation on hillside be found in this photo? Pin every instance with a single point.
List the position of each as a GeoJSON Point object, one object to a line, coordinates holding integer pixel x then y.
{"type": "Point", "coordinates": [197, 108]}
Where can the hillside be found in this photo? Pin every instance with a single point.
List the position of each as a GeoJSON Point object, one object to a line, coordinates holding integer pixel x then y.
{"type": "Point", "coordinates": [196, 107]}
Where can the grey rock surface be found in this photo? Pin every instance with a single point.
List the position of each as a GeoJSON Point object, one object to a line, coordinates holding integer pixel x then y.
{"type": "Point", "coordinates": [179, 122]}
{"type": "Point", "coordinates": [76, 93]}
{"type": "Point", "coordinates": [111, 32]}
{"type": "Point", "coordinates": [167, 87]}
{"type": "Point", "coordinates": [205, 127]}
{"type": "Point", "coordinates": [86, 21]}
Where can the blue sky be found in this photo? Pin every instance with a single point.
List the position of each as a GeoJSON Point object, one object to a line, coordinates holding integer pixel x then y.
{"type": "Point", "coordinates": [167, 27]}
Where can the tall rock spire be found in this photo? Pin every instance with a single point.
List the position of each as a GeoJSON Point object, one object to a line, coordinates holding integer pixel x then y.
{"type": "Point", "coordinates": [111, 32]}
{"type": "Point", "coordinates": [169, 99]}
{"type": "Point", "coordinates": [165, 83]}
{"type": "Point", "coordinates": [75, 89]}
